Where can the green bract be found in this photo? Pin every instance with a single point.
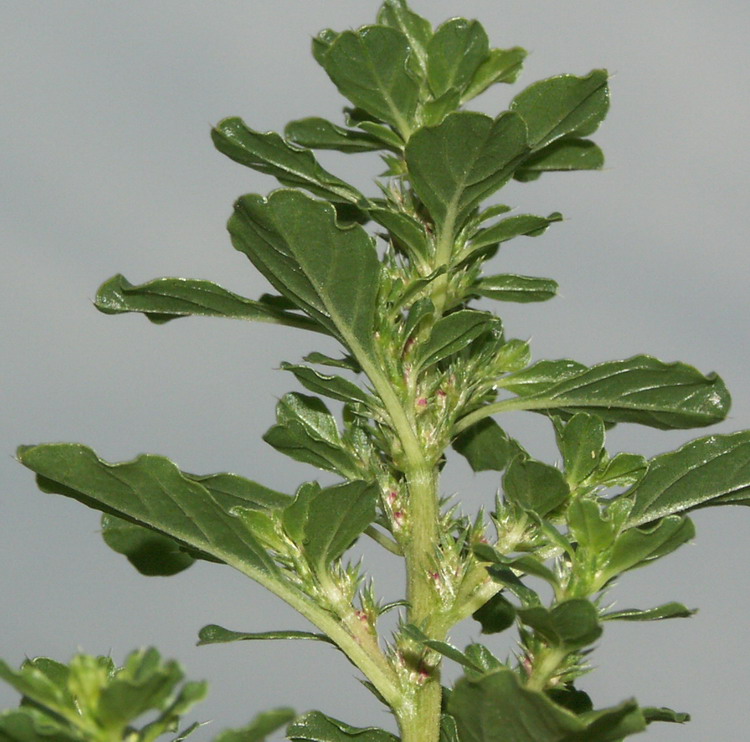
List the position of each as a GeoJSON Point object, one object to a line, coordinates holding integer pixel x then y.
{"type": "Point", "coordinates": [395, 276]}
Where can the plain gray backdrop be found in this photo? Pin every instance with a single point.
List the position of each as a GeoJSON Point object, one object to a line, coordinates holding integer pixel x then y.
{"type": "Point", "coordinates": [107, 167]}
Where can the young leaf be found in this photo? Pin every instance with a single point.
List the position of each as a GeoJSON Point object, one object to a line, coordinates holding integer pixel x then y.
{"type": "Point", "coordinates": [641, 389]}
{"type": "Point", "coordinates": [370, 68]}
{"type": "Point", "coordinates": [454, 55]}
{"type": "Point", "coordinates": [668, 610]}
{"type": "Point", "coordinates": [164, 299]}
{"type": "Point", "coordinates": [452, 333]}
{"type": "Point", "coordinates": [535, 486]}
{"type": "Point", "coordinates": [571, 625]}
{"type": "Point", "coordinates": [318, 133]}
{"type": "Point", "coordinates": [561, 156]}
{"type": "Point", "coordinates": [463, 160]}
{"type": "Point", "coordinates": [335, 387]}
{"type": "Point", "coordinates": [714, 470]}
{"type": "Point", "coordinates": [562, 106]}
{"type": "Point", "coordinates": [444, 648]}
{"type": "Point", "coordinates": [513, 226]}
{"type": "Point", "coordinates": [292, 166]}
{"type": "Point", "coordinates": [496, 615]}
{"type": "Point", "coordinates": [509, 287]}
{"type": "Point", "coordinates": [496, 708]}
{"type": "Point", "coordinates": [213, 634]}
{"type": "Point", "coordinates": [486, 446]}
{"type": "Point", "coordinates": [581, 443]}
{"type": "Point", "coordinates": [410, 233]}
{"type": "Point", "coordinates": [296, 243]}
{"type": "Point", "coordinates": [501, 65]}
{"type": "Point", "coordinates": [317, 727]}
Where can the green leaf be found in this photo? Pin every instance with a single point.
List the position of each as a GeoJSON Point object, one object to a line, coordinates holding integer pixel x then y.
{"type": "Point", "coordinates": [327, 521]}
{"type": "Point", "coordinates": [535, 486]}
{"type": "Point", "coordinates": [589, 527]}
{"type": "Point", "coordinates": [347, 362]}
{"type": "Point", "coordinates": [410, 234]}
{"type": "Point", "coordinates": [581, 443]}
{"type": "Point", "coordinates": [452, 333]}
{"type": "Point", "coordinates": [149, 491]}
{"type": "Point", "coordinates": [318, 133]}
{"type": "Point", "coordinates": [418, 30]}
{"type": "Point", "coordinates": [370, 68]}
{"type": "Point", "coordinates": [412, 632]}
{"type": "Point", "coordinates": [317, 727]}
{"type": "Point", "coordinates": [496, 708]}
{"type": "Point", "coordinates": [510, 227]}
{"type": "Point", "coordinates": [510, 287]}
{"type": "Point", "coordinates": [668, 610]}
{"type": "Point", "coordinates": [526, 563]}
{"type": "Point", "coordinates": [28, 725]}
{"type": "Point", "coordinates": [501, 65]}
{"type": "Point", "coordinates": [466, 158]}
{"type": "Point", "coordinates": [259, 728]}
{"type": "Point", "coordinates": [335, 387]}
{"type": "Point", "coordinates": [664, 714]}
{"type": "Point", "coordinates": [571, 625]}
{"type": "Point", "coordinates": [292, 166]}
{"type": "Point", "coordinates": [714, 470]}
{"type": "Point", "coordinates": [486, 446]}
{"type": "Point", "coordinates": [623, 470]}
{"type": "Point", "coordinates": [165, 299]}
{"type": "Point", "coordinates": [562, 106]}
{"type": "Point", "coordinates": [149, 552]}
{"type": "Point", "coordinates": [454, 55]}
{"type": "Point", "coordinates": [496, 615]}
{"type": "Point", "coordinates": [296, 243]}
{"type": "Point", "coordinates": [307, 431]}
{"type": "Point", "coordinates": [641, 389]}
{"type": "Point", "coordinates": [213, 634]}
{"type": "Point", "coordinates": [561, 156]}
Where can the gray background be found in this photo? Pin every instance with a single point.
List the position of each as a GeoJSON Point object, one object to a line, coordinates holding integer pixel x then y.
{"type": "Point", "coordinates": [107, 167]}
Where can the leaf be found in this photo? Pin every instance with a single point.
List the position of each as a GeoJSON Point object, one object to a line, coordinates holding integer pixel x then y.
{"type": "Point", "coordinates": [370, 68]}
{"type": "Point", "coordinates": [581, 443]}
{"type": "Point", "coordinates": [296, 243]}
{"type": "Point", "coordinates": [347, 362]}
{"type": "Point", "coordinates": [259, 728]}
{"type": "Point", "coordinates": [409, 233]}
{"type": "Point", "coordinates": [292, 166]}
{"type": "Point", "coordinates": [149, 552]}
{"type": "Point", "coordinates": [535, 486]}
{"type": "Point", "coordinates": [319, 133]}
{"type": "Point", "coordinates": [562, 155]}
{"type": "Point", "coordinates": [641, 389]}
{"type": "Point", "coordinates": [562, 106]}
{"type": "Point", "coordinates": [486, 446]}
{"type": "Point", "coordinates": [335, 387]}
{"type": "Point", "coordinates": [571, 625]}
{"type": "Point", "coordinates": [496, 615]}
{"type": "Point", "coordinates": [317, 727]}
{"type": "Point", "coordinates": [412, 632]}
{"type": "Point", "coordinates": [28, 725]}
{"type": "Point", "coordinates": [418, 30]}
{"type": "Point", "coordinates": [327, 521]}
{"type": "Point", "coordinates": [466, 158]}
{"type": "Point", "coordinates": [527, 563]}
{"type": "Point", "coordinates": [714, 470]}
{"type": "Point", "coordinates": [668, 610]}
{"type": "Point", "coordinates": [165, 299]}
{"type": "Point", "coordinates": [454, 55]}
{"type": "Point", "coordinates": [510, 227]}
{"type": "Point", "coordinates": [213, 634]}
{"type": "Point", "coordinates": [623, 470]}
{"type": "Point", "coordinates": [589, 527]}
{"type": "Point", "coordinates": [452, 333]}
{"type": "Point", "coordinates": [664, 714]}
{"type": "Point", "coordinates": [501, 65]}
{"type": "Point", "coordinates": [510, 287]}
{"type": "Point", "coordinates": [496, 708]}
{"type": "Point", "coordinates": [149, 491]}
{"type": "Point", "coordinates": [307, 431]}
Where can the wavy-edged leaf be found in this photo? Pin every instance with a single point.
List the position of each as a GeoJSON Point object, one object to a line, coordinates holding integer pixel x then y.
{"type": "Point", "coordinates": [454, 54]}
{"type": "Point", "coordinates": [486, 446]}
{"type": "Point", "coordinates": [165, 299]}
{"type": "Point", "coordinates": [292, 166]}
{"type": "Point", "coordinates": [495, 707]}
{"type": "Point", "coordinates": [501, 65]}
{"type": "Point", "coordinates": [151, 553]}
{"type": "Point", "coordinates": [214, 634]}
{"type": "Point", "coordinates": [512, 287]}
{"type": "Point", "coordinates": [454, 332]}
{"type": "Point", "coordinates": [667, 610]}
{"type": "Point", "coordinates": [563, 105]}
{"type": "Point", "coordinates": [336, 387]}
{"type": "Point", "coordinates": [562, 156]}
{"type": "Point", "coordinates": [641, 389]}
{"type": "Point", "coordinates": [714, 470]}
{"type": "Point", "coordinates": [462, 161]}
{"type": "Point", "coordinates": [315, 726]}
{"type": "Point", "coordinates": [259, 728]}
{"type": "Point", "coordinates": [149, 491]}
{"type": "Point", "coordinates": [297, 244]}
{"type": "Point", "coordinates": [319, 133]}
{"type": "Point", "coordinates": [370, 68]}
